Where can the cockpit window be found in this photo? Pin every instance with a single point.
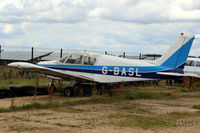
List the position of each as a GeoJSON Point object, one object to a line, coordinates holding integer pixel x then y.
{"type": "Point", "coordinates": [75, 59]}
{"type": "Point", "coordinates": [89, 60]}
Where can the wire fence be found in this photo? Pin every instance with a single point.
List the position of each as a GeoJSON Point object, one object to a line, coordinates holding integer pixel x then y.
{"type": "Point", "coordinates": [29, 53]}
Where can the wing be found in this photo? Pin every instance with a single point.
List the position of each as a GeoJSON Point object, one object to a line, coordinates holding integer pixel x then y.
{"type": "Point", "coordinates": [57, 74]}
{"type": "Point", "coordinates": [179, 74]}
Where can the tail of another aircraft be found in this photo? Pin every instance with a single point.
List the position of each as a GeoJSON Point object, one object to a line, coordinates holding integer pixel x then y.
{"type": "Point", "coordinates": [177, 54]}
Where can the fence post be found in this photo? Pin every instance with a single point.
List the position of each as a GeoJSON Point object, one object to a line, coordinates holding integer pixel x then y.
{"type": "Point", "coordinates": [140, 56]}
{"type": "Point", "coordinates": [106, 52]}
{"type": "Point", "coordinates": [123, 54]}
{"type": "Point", "coordinates": [32, 55]}
{"type": "Point", "coordinates": [0, 51]}
{"type": "Point", "coordinates": [61, 53]}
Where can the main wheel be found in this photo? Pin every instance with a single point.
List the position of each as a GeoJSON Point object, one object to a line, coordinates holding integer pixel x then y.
{"type": "Point", "coordinates": [68, 91]}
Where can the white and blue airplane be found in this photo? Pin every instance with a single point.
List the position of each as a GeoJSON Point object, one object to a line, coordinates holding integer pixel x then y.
{"type": "Point", "coordinates": [86, 67]}
{"type": "Point", "coordinates": [192, 66]}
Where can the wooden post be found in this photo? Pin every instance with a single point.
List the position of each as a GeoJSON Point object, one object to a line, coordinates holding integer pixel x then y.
{"type": "Point", "coordinates": [50, 91]}
{"type": "Point", "coordinates": [93, 89]}
{"type": "Point", "coordinates": [32, 55]}
{"type": "Point", "coordinates": [121, 85]}
{"type": "Point", "coordinates": [12, 101]}
{"type": "Point", "coordinates": [75, 88]}
{"type": "Point", "coordinates": [81, 92]}
{"type": "Point", "coordinates": [0, 51]}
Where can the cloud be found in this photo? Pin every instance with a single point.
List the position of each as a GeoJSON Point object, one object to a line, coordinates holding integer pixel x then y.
{"type": "Point", "coordinates": [115, 25]}
{"type": "Point", "coordinates": [74, 11]}
{"type": "Point", "coordinates": [8, 29]}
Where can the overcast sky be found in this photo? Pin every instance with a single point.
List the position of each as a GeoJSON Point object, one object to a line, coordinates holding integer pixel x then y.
{"type": "Point", "coordinates": [147, 26]}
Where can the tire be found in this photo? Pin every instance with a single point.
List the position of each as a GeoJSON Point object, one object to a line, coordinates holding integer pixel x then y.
{"type": "Point", "coordinates": [169, 82]}
{"type": "Point", "coordinates": [68, 92]}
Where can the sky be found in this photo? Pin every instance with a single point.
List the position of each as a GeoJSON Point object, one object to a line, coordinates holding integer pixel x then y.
{"type": "Point", "coordinates": [137, 26]}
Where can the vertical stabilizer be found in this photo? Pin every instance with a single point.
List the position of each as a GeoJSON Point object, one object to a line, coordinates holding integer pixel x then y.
{"type": "Point", "coordinates": [177, 54]}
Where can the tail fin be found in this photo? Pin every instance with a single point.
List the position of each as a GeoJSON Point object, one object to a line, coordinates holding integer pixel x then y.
{"type": "Point", "coordinates": [177, 54]}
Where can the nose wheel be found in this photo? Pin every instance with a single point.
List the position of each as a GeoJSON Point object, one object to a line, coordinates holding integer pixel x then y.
{"type": "Point", "coordinates": [68, 91]}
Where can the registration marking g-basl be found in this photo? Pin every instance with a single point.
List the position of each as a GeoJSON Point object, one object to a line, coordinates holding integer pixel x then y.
{"type": "Point", "coordinates": [116, 71]}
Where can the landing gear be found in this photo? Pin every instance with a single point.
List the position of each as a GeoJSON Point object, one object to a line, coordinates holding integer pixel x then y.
{"type": "Point", "coordinates": [169, 82]}
{"type": "Point", "coordinates": [79, 89]}
{"type": "Point", "coordinates": [68, 91]}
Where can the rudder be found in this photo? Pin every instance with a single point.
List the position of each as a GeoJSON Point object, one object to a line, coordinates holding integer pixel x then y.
{"type": "Point", "coordinates": [177, 54]}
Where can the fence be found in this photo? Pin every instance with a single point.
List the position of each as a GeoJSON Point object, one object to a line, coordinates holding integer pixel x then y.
{"type": "Point", "coordinates": [32, 53]}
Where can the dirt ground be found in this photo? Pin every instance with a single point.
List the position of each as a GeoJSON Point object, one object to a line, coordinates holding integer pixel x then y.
{"type": "Point", "coordinates": [98, 118]}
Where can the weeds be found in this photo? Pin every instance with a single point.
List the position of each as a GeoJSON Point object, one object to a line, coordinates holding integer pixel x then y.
{"type": "Point", "coordinates": [60, 124]}
{"type": "Point", "coordinates": [197, 106]}
{"type": "Point", "coordinates": [147, 94]}
{"type": "Point", "coordinates": [146, 122]}
{"type": "Point", "coordinates": [127, 107]}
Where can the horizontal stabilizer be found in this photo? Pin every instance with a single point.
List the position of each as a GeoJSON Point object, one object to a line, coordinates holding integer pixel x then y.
{"type": "Point", "coordinates": [179, 74]}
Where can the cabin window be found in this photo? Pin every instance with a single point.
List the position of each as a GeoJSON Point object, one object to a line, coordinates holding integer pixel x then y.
{"type": "Point", "coordinates": [89, 60]}
{"type": "Point", "coordinates": [75, 59]}
{"type": "Point", "coordinates": [197, 64]}
{"type": "Point", "coordinates": [190, 63]}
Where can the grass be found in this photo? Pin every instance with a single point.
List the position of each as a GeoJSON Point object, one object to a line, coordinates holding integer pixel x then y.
{"type": "Point", "coordinates": [146, 94]}
{"type": "Point", "coordinates": [60, 124]}
{"type": "Point", "coordinates": [118, 96]}
{"type": "Point", "coordinates": [127, 107]}
{"type": "Point", "coordinates": [66, 125]}
{"type": "Point", "coordinates": [197, 106]}
{"type": "Point", "coordinates": [22, 128]}
{"type": "Point", "coordinates": [146, 122]}
{"type": "Point", "coordinates": [58, 104]}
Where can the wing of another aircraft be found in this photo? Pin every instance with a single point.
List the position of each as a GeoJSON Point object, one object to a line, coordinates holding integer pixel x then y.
{"type": "Point", "coordinates": [179, 74]}
{"type": "Point", "coordinates": [49, 72]}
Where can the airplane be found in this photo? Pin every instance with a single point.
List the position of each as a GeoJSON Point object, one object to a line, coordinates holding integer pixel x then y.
{"type": "Point", "coordinates": [192, 66]}
{"type": "Point", "coordinates": [100, 69]}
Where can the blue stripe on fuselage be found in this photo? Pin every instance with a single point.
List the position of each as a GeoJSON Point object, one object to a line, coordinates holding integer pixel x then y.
{"type": "Point", "coordinates": [139, 71]}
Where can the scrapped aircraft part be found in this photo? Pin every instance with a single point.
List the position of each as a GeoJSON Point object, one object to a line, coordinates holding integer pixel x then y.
{"type": "Point", "coordinates": [19, 91]}
{"type": "Point", "coordinates": [36, 84]}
